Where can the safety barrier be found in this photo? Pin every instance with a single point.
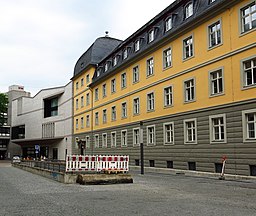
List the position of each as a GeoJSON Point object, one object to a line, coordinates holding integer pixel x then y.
{"type": "Point", "coordinates": [98, 163]}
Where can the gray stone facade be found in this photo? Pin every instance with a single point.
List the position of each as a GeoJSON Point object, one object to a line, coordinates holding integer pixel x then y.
{"type": "Point", "coordinates": [205, 155]}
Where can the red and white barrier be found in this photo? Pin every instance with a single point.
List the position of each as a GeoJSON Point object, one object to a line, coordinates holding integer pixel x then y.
{"type": "Point", "coordinates": [76, 163]}
{"type": "Point", "coordinates": [117, 162]}
{"type": "Point", "coordinates": [79, 163]}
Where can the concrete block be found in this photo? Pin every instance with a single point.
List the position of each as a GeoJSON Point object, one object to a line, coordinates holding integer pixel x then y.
{"type": "Point", "coordinates": [94, 179]}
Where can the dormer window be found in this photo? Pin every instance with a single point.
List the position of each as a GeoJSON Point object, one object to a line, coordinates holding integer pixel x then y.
{"type": "Point", "coordinates": [115, 61]}
{"type": "Point", "coordinates": [125, 53]}
{"type": "Point", "coordinates": [168, 24]}
{"type": "Point", "coordinates": [137, 45]}
{"type": "Point", "coordinates": [151, 36]}
{"type": "Point", "coordinates": [98, 72]}
{"type": "Point", "coordinates": [106, 67]}
{"type": "Point", "coordinates": [188, 10]}
{"type": "Point", "coordinates": [82, 65]}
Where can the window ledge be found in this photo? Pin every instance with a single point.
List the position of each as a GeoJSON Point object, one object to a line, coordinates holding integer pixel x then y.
{"type": "Point", "coordinates": [166, 68]}
{"type": "Point", "coordinates": [215, 46]}
{"type": "Point", "coordinates": [247, 32]}
{"type": "Point", "coordinates": [190, 143]}
{"type": "Point", "coordinates": [216, 95]}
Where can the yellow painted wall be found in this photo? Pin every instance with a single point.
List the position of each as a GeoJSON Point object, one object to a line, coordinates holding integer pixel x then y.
{"type": "Point", "coordinates": [232, 40]}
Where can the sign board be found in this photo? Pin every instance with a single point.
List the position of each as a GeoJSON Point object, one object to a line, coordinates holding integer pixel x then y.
{"type": "Point", "coordinates": [37, 147]}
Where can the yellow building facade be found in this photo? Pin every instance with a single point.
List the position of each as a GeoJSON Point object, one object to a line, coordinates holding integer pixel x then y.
{"type": "Point", "coordinates": [188, 77]}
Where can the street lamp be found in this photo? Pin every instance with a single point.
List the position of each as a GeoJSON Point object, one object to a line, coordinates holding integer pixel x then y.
{"type": "Point", "coordinates": [141, 149]}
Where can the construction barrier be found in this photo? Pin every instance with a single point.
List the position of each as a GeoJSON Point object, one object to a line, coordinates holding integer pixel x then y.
{"type": "Point", "coordinates": [98, 163]}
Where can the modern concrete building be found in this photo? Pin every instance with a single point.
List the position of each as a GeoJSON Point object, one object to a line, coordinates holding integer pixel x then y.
{"type": "Point", "coordinates": [188, 78]}
{"type": "Point", "coordinates": [4, 138]}
{"type": "Point", "coordinates": [14, 92]}
{"type": "Point", "coordinates": [7, 148]}
{"type": "Point", "coordinates": [42, 125]}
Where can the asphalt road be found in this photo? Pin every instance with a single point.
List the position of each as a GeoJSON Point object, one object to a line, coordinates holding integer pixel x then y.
{"type": "Point", "coordinates": [23, 193]}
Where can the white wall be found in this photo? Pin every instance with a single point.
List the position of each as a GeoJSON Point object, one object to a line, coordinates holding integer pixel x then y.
{"type": "Point", "coordinates": [32, 116]}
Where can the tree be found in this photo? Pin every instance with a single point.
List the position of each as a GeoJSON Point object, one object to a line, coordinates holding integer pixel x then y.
{"type": "Point", "coordinates": [3, 107]}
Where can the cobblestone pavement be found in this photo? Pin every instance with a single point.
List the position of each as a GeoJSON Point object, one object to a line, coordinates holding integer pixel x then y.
{"type": "Point", "coordinates": [23, 193]}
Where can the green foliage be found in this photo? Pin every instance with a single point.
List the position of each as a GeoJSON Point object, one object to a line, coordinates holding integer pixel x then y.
{"type": "Point", "coordinates": [3, 107]}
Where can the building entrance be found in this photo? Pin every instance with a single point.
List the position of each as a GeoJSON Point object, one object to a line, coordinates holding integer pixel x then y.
{"type": "Point", "coordinates": [2, 155]}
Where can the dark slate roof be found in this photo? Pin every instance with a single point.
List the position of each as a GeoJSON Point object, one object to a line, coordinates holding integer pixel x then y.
{"type": "Point", "coordinates": [101, 48]}
{"type": "Point", "coordinates": [202, 10]}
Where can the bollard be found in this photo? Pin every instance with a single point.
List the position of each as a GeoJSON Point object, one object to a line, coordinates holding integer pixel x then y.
{"type": "Point", "coordinates": [222, 177]}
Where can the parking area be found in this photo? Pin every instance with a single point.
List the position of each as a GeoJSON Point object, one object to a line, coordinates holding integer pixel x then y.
{"type": "Point", "coordinates": [23, 193]}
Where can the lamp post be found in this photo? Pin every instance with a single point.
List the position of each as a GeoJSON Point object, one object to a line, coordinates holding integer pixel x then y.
{"type": "Point", "coordinates": [141, 149]}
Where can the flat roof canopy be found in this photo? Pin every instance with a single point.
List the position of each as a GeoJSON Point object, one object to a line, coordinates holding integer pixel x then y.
{"type": "Point", "coordinates": [42, 141]}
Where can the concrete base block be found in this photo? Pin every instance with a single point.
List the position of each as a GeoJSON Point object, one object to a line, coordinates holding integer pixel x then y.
{"type": "Point", "coordinates": [94, 179]}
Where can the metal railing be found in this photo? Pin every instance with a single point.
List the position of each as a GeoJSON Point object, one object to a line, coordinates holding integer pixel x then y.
{"type": "Point", "coordinates": [58, 166]}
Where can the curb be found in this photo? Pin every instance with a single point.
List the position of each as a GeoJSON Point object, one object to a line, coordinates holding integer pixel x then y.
{"type": "Point", "coordinates": [193, 173]}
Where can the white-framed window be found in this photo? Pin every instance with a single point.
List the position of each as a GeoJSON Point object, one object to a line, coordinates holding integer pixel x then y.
{"type": "Point", "coordinates": [87, 99]}
{"type": "Point", "coordinates": [87, 78]}
{"type": "Point", "coordinates": [124, 110]}
{"type": "Point", "coordinates": [104, 140]}
{"type": "Point", "coordinates": [96, 140]}
{"type": "Point", "coordinates": [77, 85]}
{"type": "Point", "coordinates": [151, 136]}
{"type": "Point", "coordinates": [167, 58]}
{"type": "Point", "coordinates": [135, 74]}
{"type": "Point", "coordinates": [248, 17]}
{"type": "Point", "coordinates": [188, 10]}
{"type": "Point", "coordinates": [249, 72]}
{"type": "Point", "coordinates": [96, 94]}
{"type": "Point", "coordinates": [136, 136]}
{"type": "Point", "coordinates": [104, 116]}
{"type": "Point", "coordinates": [151, 101]}
{"type": "Point", "coordinates": [87, 121]}
{"type": "Point", "coordinates": [82, 82]}
{"type": "Point", "coordinates": [188, 47]}
{"type": "Point", "coordinates": [113, 139]}
{"type": "Point", "coordinates": [168, 96]}
{"type": "Point", "coordinates": [82, 122]}
{"type": "Point", "coordinates": [113, 85]}
{"type": "Point", "coordinates": [137, 45]}
{"type": "Point", "coordinates": [87, 140]}
{"type": "Point", "coordinates": [76, 124]}
{"type": "Point", "coordinates": [77, 104]}
{"type": "Point", "coordinates": [123, 80]}
{"type": "Point", "coordinates": [104, 90]}
{"type": "Point", "coordinates": [217, 125]}
{"type": "Point", "coordinates": [190, 131]}
{"type": "Point", "coordinates": [216, 82]}
{"type": "Point", "coordinates": [124, 138]}
{"type": "Point", "coordinates": [249, 125]}
{"type": "Point", "coordinates": [113, 113]}
{"type": "Point", "coordinates": [189, 90]}
{"type": "Point", "coordinates": [151, 35]}
{"type": "Point", "coordinates": [125, 53]}
{"type": "Point", "coordinates": [168, 129]}
{"type": "Point", "coordinates": [96, 118]}
{"type": "Point", "coordinates": [168, 24]}
{"type": "Point", "coordinates": [214, 32]}
{"type": "Point", "coordinates": [150, 66]}
{"type": "Point", "coordinates": [82, 101]}
{"type": "Point", "coordinates": [136, 106]}
{"type": "Point", "coordinates": [106, 67]}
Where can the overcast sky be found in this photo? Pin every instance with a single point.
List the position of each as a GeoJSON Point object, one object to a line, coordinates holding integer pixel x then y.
{"type": "Point", "coordinates": [41, 40]}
